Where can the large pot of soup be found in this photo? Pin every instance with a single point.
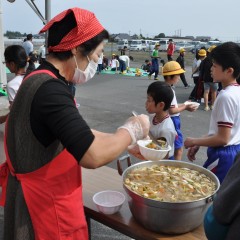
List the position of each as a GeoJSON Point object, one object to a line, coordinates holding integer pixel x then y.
{"type": "Point", "coordinates": [169, 196]}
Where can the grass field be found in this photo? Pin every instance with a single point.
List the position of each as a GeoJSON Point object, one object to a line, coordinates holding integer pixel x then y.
{"type": "Point", "coordinates": [140, 56]}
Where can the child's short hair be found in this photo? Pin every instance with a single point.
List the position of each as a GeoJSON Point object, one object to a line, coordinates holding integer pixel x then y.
{"type": "Point", "coordinates": [227, 55]}
{"type": "Point", "coordinates": [161, 92]}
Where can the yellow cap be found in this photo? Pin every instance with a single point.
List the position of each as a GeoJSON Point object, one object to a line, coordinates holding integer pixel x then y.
{"type": "Point", "coordinates": [157, 44]}
{"type": "Point", "coordinates": [181, 50]}
{"type": "Point", "coordinates": [113, 54]}
{"type": "Point", "coordinates": [211, 48]}
{"type": "Point", "coordinates": [172, 68]}
{"type": "Point", "coordinates": [202, 53]}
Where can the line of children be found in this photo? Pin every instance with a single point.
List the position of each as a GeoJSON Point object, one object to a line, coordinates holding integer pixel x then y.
{"type": "Point", "coordinates": [171, 73]}
{"type": "Point", "coordinates": [223, 138]}
{"type": "Point", "coordinates": [159, 98]}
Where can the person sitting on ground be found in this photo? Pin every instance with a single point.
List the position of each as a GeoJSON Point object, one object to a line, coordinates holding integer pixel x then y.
{"type": "Point", "coordinates": [105, 62]}
{"type": "Point", "coordinates": [146, 66]}
{"type": "Point", "coordinates": [114, 63]}
{"type": "Point", "coordinates": [159, 98]}
{"type": "Point", "coordinates": [16, 61]}
{"type": "Point", "coordinates": [124, 63]}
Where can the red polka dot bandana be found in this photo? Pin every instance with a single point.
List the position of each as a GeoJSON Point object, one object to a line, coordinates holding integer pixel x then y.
{"type": "Point", "coordinates": [87, 27]}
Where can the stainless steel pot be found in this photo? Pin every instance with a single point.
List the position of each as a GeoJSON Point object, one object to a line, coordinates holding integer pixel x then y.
{"type": "Point", "coordinates": [168, 217]}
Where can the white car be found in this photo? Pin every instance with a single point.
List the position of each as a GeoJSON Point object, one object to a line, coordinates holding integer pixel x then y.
{"type": "Point", "coordinates": [136, 45]}
{"type": "Point", "coordinates": [152, 45]}
{"type": "Point", "coordinates": [186, 46]}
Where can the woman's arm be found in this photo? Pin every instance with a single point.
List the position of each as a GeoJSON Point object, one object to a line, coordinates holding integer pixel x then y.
{"type": "Point", "coordinates": [107, 147]}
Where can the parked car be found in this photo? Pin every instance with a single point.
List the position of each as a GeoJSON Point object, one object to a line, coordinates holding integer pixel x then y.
{"type": "Point", "coordinates": [163, 45]}
{"type": "Point", "coordinates": [122, 43]}
{"type": "Point", "coordinates": [186, 46]}
{"type": "Point", "coordinates": [136, 45]}
{"type": "Point", "coordinates": [152, 44]}
{"type": "Point", "coordinates": [206, 45]}
{"type": "Point", "coordinates": [199, 46]}
{"type": "Point", "coordinates": [146, 45]}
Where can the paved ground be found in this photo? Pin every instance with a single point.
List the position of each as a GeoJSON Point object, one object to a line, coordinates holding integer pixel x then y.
{"type": "Point", "coordinates": [107, 101]}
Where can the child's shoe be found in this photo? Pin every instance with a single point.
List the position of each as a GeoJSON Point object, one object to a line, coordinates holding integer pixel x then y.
{"type": "Point", "coordinates": [206, 108]}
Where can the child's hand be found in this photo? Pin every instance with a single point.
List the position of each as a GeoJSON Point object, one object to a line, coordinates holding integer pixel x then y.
{"type": "Point", "coordinates": [191, 107]}
{"type": "Point", "coordinates": [192, 152]}
{"type": "Point", "coordinates": [189, 142]}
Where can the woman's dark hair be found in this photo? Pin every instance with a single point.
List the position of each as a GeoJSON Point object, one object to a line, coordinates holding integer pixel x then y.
{"type": "Point", "coordinates": [161, 92]}
{"type": "Point", "coordinates": [227, 55]}
{"type": "Point", "coordinates": [60, 29]}
{"type": "Point", "coordinates": [16, 54]}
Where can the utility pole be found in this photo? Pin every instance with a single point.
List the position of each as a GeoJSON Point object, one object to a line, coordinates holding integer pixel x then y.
{"type": "Point", "coordinates": [3, 76]}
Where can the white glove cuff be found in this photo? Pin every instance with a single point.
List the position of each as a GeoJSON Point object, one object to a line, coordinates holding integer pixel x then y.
{"type": "Point", "coordinates": [135, 130]}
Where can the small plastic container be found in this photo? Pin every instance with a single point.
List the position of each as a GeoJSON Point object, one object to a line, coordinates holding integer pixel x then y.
{"type": "Point", "coordinates": [109, 202]}
{"type": "Point", "coordinates": [195, 104]}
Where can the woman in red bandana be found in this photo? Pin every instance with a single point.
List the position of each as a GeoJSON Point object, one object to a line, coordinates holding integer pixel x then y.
{"type": "Point", "coordinates": [47, 140]}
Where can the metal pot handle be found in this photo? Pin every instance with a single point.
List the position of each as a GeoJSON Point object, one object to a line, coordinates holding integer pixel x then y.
{"type": "Point", "coordinates": [120, 160]}
{"type": "Point", "coordinates": [209, 199]}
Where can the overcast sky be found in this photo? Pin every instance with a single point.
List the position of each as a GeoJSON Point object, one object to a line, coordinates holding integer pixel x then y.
{"type": "Point", "coordinates": [215, 18]}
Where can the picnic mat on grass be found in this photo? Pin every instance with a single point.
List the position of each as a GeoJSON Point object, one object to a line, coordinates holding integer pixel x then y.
{"type": "Point", "coordinates": [130, 73]}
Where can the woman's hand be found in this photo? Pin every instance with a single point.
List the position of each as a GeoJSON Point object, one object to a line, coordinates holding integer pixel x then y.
{"type": "Point", "coordinates": [138, 127]}
{"type": "Point", "coordinates": [134, 150]}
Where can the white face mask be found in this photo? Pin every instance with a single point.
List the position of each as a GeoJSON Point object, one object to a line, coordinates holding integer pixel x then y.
{"type": "Point", "coordinates": [83, 76]}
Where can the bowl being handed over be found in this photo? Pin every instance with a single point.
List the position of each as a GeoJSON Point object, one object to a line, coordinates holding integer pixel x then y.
{"type": "Point", "coordinates": [109, 202]}
{"type": "Point", "coordinates": [150, 153]}
{"type": "Point", "coordinates": [195, 104]}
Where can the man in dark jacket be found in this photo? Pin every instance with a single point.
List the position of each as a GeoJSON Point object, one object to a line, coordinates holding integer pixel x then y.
{"type": "Point", "coordinates": [180, 60]}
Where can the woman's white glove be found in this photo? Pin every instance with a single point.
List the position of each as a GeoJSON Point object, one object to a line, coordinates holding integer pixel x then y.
{"type": "Point", "coordinates": [138, 127]}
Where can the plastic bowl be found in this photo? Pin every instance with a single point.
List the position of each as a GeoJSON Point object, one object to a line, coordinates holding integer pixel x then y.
{"type": "Point", "coordinates": [195, 104]}
{"type": "Point", "coordinates": [150, 153]}
{"type": "Point", "coordinates": [109, 202]}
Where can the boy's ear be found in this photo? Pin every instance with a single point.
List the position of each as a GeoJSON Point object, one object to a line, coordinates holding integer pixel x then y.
{"type": "Point", "coordinates": [161, 104]}
{"type": "Point", "coordinates": [230, 71]}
